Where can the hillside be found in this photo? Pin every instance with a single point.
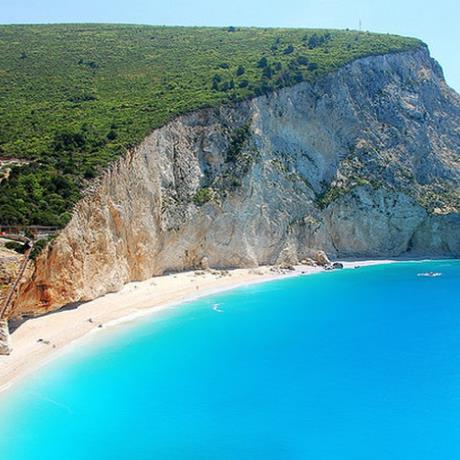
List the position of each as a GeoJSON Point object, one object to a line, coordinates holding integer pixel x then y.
{"type": "Point", "coordinates": [75, 97]}
{"type": "Point", "coordinates": [364, 162]}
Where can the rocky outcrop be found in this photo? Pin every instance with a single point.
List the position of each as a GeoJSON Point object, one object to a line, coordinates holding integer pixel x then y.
{"type": "Point", "coordinates": [369, 223]}
{"type": "Point", "coordinates": [437, 236]}
{"type": "Point", "coordinates": [321, 258]}
{"type": "Point", "coordinates": [5, 341]}
{"type": "Point", "coordinates": [365, 162]}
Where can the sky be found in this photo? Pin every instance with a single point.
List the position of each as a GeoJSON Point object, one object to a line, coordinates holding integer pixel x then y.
{"type": "Point", "coordinates": [435, 22]}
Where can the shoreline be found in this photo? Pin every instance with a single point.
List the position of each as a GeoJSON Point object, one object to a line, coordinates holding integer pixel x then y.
{"type": "Point", "coordinates": [42, 339]}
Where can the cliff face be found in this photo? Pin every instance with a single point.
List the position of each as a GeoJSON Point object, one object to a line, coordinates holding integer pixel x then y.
{"type": "Point", "coordinates": [365, 162]}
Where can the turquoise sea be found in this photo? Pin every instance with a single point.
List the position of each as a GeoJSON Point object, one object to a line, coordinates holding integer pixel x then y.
{"type": "Point", "coordinates": [351, 364]}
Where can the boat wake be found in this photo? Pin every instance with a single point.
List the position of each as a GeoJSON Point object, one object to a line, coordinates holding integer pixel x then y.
{"type": "Point", "coordinates": [430, 274]}
{"type": "Point", "coordinates": [216, 306]}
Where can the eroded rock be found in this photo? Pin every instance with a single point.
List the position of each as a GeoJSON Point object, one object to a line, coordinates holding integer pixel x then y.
{"type": "Point", "coordinates": [321, 258]}
{"type": "Point", "coordinates": [5, 341]}
{"type": "Point", "coordinates": [347, 165]}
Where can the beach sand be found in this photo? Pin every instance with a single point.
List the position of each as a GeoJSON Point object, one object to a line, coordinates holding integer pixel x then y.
{"type": "Point", "coordinates": [40, 339]}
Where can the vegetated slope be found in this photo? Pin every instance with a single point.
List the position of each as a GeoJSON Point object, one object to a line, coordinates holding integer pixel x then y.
{"type": "Point", "coordinates": [74, 97]}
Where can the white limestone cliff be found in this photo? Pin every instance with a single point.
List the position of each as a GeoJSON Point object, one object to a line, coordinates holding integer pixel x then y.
{"type": "Point", "coordinates": [365, 162]}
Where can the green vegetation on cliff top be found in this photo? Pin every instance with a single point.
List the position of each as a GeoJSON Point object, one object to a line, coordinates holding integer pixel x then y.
{"type": "Point", "coordinates": [74, 97]}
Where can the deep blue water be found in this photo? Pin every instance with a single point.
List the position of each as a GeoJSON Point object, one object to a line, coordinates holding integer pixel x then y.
{"type": "Point", "coordinates": [354, 364]}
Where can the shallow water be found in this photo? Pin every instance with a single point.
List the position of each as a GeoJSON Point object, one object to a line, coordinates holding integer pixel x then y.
{"type": "Point", "coordinates": [353, 364]}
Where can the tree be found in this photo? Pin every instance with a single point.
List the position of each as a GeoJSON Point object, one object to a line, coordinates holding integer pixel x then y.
{"type": "Point", "coordinates": [216, 79]}
{"type": "Point", "coordinates": [240, 71]}
{"type": "Point", "coordinates": [10, 215]}
{"type": "Point", "coordinates": [298, 77]}
{"type": "Point", "coordinates": [284, 78]}
{"type": "Point", "coordinates": [288, 50]}
{"type": "Point", "coordinates": [68, 141]}
{"type": "Point", "coordinates": [267, 72]}
{"type": "Point", "coordinates": [302, 60]}
{"type": "Point", "coordinates": [112, 135]}
{"type": "Point", "coordinates": [275, 45]}
{"type": "Point", "coordinates": [313, 41]}
{"type": "Point", "coordinates": [262, 63]}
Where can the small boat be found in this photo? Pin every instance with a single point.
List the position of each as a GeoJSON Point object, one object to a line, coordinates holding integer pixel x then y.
{"type": "Point", "coordinates": [430, 274]}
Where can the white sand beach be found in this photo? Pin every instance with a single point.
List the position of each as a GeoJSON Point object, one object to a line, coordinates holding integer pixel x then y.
{"type": "Point", "coordinates": [40, 339]}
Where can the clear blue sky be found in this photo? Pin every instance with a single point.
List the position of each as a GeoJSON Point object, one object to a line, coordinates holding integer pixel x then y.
{"type": "Point", "coordinates": [435, 22]}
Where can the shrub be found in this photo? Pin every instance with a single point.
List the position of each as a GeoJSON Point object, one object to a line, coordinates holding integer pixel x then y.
{"type": "Point", "coordinates": [202, 196]}
{"type": "Point", "coordinates": [82, 98]}
{"type": "Point", "coordinates": [112, 135]}
{"type": "Point", "coordinates": [313, 41]}
{"type": "Point", "coordinates": [332, 194]}
{"type": "Point", "coordinates": [15, 246]}
{"type": "Point", "coordinates": [216, 79]}
{"type": "Point", "coordinates": [68, 141]}
{"type": "Point", "coordinates": [227, 85]}
{"type": "Point", "coordinates": [38, 247]}
{"type": "Point", "coordinates": [302, 60]}
{"type": "Point", "coordinates": [262, 62]}
{"type": "Point", "coordinates": [240, 71]}
{"type": "Point", "coordinates": [238, 139]}
{"type": "Point", "coordinates": [267, 72]}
